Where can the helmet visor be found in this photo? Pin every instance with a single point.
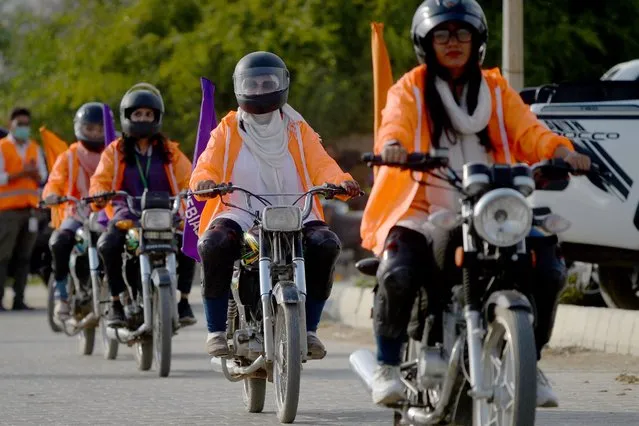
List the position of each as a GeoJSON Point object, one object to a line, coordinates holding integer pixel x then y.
{"type": "Point", "coordinates": [91, 132]}
{"type": "Point", "coordinates": [260, 81]}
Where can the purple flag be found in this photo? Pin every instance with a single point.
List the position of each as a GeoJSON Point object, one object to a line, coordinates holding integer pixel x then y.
{"type": "Point", "coordinates": [194, 208]}
{"type": "Point", "coordinates": [109, 127]}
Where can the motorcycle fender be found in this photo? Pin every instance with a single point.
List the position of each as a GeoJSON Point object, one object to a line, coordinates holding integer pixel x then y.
{"type": "Point", "coordinates": [286, 292]}
{"type": "Point", "coordinates": [160, 277]}
{"type": "Point", "coordinates": [507, 299]}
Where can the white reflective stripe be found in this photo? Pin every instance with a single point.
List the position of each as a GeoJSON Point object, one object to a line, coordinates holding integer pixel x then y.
{"type": "Point", "coordinates": [227, 146]}
{"type": "Point", "coordinates": [502, 125]}
{"type": "Point", "coordinates": [116, 165]}
{"type": "Point", "coordinates": [4, 176]}
{"type": "Point", "coordinates": [418, 131]}
{"type": "Point", "coordinates": [42, 164]}
{"type": "Point", "coordinates": [309, 182]}
{"type": "Point", "coordinates": [70, 179]}
{"type": "Point", "coordinates": [2, 167]}
{"type": "Point", "coordinates": [176, 190]}
{"type": "Point", "coordinates": [15, 192]}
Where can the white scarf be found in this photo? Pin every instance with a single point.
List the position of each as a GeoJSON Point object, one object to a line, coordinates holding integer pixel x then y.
{"type": "Point", "coordinates": [266, 137]}
{"type": "Point", "coordinates": [465, 147]}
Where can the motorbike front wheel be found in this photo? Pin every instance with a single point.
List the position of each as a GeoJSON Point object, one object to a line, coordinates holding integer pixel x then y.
{"type": "Point", "coordinates": [287, 367]}
{"type": "Point", "coordinates": [509, 366]}
{"type": "Point", "coordinates": [163, 302]}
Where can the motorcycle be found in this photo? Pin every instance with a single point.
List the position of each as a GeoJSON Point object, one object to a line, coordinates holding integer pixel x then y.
{"type": "Point", "coordinates": [266, 325]}
{"type": "Point", "coordinates": [87, 291]}
{"type": "Point", "coordinates": [150, 274]}
{"type": "Point", "coordinates": [484, 371]}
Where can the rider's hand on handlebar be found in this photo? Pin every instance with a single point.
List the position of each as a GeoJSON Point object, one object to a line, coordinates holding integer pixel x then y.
{"type": "Point", "coordinates": [52, 199]}
{"type": "Point", "coordinates": [100, 202]}
{"type": "Point", "coordinates": [351, 187]}
{"type": "Point", "coordinates": [578, 161]}
{"type": "Point", "coordinates": [574, 159]}
{"type": "Point", "coordinates": [206, 185]}
{"type": "Point", "coordinates": [394, 153]}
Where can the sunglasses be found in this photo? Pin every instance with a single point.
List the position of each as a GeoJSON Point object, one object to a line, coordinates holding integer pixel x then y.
{"type": "Point", "coordinates": [266, 85]}
{"type": "Point", "coordinates": [443, 36]}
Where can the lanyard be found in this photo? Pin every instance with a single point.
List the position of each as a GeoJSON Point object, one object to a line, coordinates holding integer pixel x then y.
{"type": "Point", "coordinates": [143, 175]}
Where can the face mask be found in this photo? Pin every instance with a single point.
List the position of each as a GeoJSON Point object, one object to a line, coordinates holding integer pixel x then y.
{"type": "Point", "coordinates": [22, 133]}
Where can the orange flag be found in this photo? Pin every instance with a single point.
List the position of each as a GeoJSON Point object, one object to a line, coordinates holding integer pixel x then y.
{"type": "Point", "coordinates": [382, 72]}
{"type": "Point", "coordinates": [53, 146]}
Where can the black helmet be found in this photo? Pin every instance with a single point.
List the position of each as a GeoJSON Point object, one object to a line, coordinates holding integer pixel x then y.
{"type": "Point", "coordinates": [142, 95]}
{"type": "Point", "coordinates": [431, 13]}
{"type": "Point", "coordinates": [89, 113]}
{"type": "Point", "coordinates": [261, 81]}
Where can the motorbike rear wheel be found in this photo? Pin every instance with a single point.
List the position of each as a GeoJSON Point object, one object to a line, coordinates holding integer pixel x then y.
{"type": "Point", "coordinates": [109, 346]}
{"type": "Point", "coordinates": [143, 353]}
{"type": "Point", "coordinates": [51, 305]}
{"type": "Point", "coordinates": [86, 341]}
{"type": "Point", "coordinates": [509, 365]}
{"type": "Point", "coordinates": [254, 394]}
{"type": "Point", "coordinates": [287, 368]}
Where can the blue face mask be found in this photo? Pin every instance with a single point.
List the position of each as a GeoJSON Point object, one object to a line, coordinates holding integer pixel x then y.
{"type": "Point", "coordinates": [22, 133]}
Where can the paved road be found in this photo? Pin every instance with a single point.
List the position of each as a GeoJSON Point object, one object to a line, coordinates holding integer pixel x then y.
{"type": "Point", "coordinates": [44, 381]}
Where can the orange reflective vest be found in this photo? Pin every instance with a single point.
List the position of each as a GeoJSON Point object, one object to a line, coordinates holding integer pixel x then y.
{"type": "Point", "coordinates": [67, 178]}
{"type": "Point", "coordinates": [313, 164]}
{"type": "Point", "coordinates": [514, 131]}
{"type": "Point", "coordinates": [24, 192]}
{"type": "Point", "coordinates": [110, 172]}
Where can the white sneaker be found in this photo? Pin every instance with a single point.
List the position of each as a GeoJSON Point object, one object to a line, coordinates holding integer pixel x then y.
{"type": "Point", "coordinates": [546, 397]}
{"type": "Point", "coordinates": [61, 309]}
{"type": "Point", "coordinates": [387, 385]}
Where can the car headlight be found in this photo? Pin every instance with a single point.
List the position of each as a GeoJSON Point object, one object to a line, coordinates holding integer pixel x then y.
{"type": "Point", "coordinates": [282, 218]}
{"type": "Point", "coordinates": [502, 217]}
{"type": "Point", "coordinates": [156, 219]}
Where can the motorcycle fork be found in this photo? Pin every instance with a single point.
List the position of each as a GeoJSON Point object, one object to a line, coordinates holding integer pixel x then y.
{"type": "Point", "coordinates": [265, 295]}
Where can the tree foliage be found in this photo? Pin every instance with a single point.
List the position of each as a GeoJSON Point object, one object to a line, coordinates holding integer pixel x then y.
{"type": "Point", "coordinates": [96, 49]}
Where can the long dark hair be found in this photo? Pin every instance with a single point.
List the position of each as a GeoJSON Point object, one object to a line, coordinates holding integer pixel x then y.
{"type": "Point", "coordinates": [439, 119]}
{"type": "Point", "coordinates": [157, 141]}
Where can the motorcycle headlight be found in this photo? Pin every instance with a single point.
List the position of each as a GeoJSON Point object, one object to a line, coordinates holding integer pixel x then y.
{"type": "Point", "coordinates": [80, 240]}
{"type": "Point", "coordinates": [502, 217]}
{"type": "Point", "coordinates": [156, 220]}
{"type": "Point", "coordinates": [282, 218]}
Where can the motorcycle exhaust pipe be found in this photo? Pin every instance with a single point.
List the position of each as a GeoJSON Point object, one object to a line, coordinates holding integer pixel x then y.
{"type": "Point", "coordinates": [421, 416]}
{"type": "Point", "coordinates": [124, 335]}
{"type": "Point", "coordinates": [363, 363]}
{"type": "Point", "coordinates": [90, 320]}
{"type": "Point", "coordinates": [235, 373]}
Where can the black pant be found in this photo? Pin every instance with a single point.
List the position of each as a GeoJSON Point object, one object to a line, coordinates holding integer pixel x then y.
{"type": "Point", "coordinates": [16, 247]}
{"type": "Point", "coordinates": [411, 261]}
{"type": "Point", "coordinates": [61, 244]}
{"type": "Point", "coordinates": [220, 246]}
{"type": "Point", "coordinates": [111, 246]}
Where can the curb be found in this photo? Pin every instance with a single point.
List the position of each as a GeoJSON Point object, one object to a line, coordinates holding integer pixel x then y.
{"type": "Point", "coordinates": [614, 331]}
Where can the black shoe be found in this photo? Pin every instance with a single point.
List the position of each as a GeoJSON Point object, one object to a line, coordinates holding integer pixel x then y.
{"type": "Point", "coordinates": [21, 306]}
{"type": "Point", "coordinates": [185, 313]}
{"type": "Point", "coordinates": [116, 317]}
